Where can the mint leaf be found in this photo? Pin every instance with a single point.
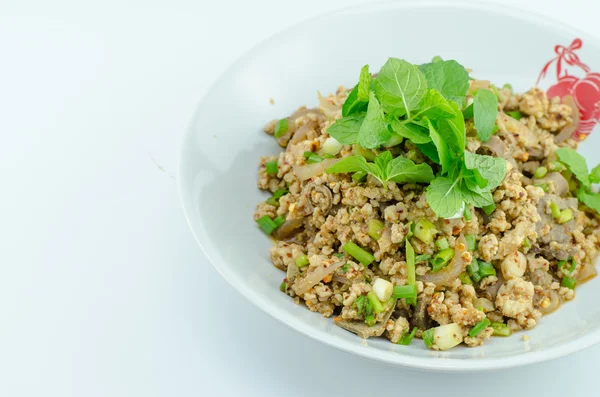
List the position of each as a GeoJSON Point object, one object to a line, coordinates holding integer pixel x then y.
{"type": "Point", "coordinates": [434, 106]}
{"type": "Point", "coordinates": [444, 196]}
{"type": "Point", "coordinates": [373, 132]}
{"type": "Point", "coordinates": [485, 112]}
{"type": "Point", "coordinates": [576, 163]}
{"type": "Point", "coordinates": [403, 170]}
{"type": "Point", "coordinates": [429, 150]}
{"type": "Point", "coordinates": [478, 198]}
{"type": "Point", "coordinates": [345, 130]}
{"type": "Point", "coordinates": [492, 169]}
{"type": "Point", "coordinates": [364, 83]}
{"type": "Point", "coordinates": [353, 104]}
{"type": "Point", "coordinates": [349, 164]}
{"type": "Point", "coordinates": [590, 199]}
{"type": "Point", "coordinates": [440, 144]}
{"type": "Point", "coordinates": [448, 77]}
{"type": "Point", "coordinates": [412, 132]}
{"type": "Point", "coordinates": [381, 161]}
{"type": "Point", "coordinates": [595, 174]}
{"type": "Point", "coordinates": [400, 86]}
{"type": "Point", "coordinates": [453, 131]}
{"type": "Point", "coordinates": [448, 135]}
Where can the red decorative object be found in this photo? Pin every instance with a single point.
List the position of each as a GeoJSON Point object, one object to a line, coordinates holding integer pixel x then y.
{"type": "Point", "coordinates": [584, 90]}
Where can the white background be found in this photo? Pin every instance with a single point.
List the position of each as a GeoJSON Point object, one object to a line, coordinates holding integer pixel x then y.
{"type": "Point", "coordinates": [103, 290]}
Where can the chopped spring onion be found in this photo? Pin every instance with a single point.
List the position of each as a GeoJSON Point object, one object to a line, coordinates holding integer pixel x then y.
{"type": "Point", "coordinates": [302, 261]}
{"type": "Point", "coordinates": [339, 256]}
{"type": "Point", "coordinates": [332, 146]}
{"type": "Point", "coordinates": [568, 282]}
{"type": "Point", "coordinates": [565, 216]}
{"type": "Point", "coordinates": [424, 230]}
{"type": "Point", "coordinates": [283, 286]}
{"type": "Point", "coordinates": [441, 259]}
{"type": "Point", "coordinates": [266, 224]}
{"type": "Point", "coordinates": [515, 114]}
{"type": "Point", "coordinates": [271, 167]}
{"type": "Point", "coordinates": [500, 329]}
{"type": "Point", "coordinates": [465, 279]}
{"type": "Point", "coordinates": [480, 326]}
{"type": "Point", "coordinates": [556, 166]}
{"type": "Point", "coordinates": [375, 302]}
{"type": "Point", "coordinates": [422, 258]}
{"type": "Point", "coordinates": [405, 291]}
{"type": "Point", "coordinates": [411, 272]}
{"type": "Point", "coordinates": [471, 242]}
{"type": "Point", "coordinates": [370, 320]}
{"type": "Point", "coordinates": [489, 209]}
{"type": "Point", "coordinates": [279, 220]}
{"type": "Point", "coordinates": [383, 289]}
{"type": "Point", "coordinates": [467, 214]}
{"type": "Point", "coordinates": [345, 268]}
{"type": "Point", "coordinates": [358, 253]}
{"type": "Point", "coordinates": [428, 337]}
{"type": "Point", "coordinates": [359, 176]}
{"type": "Point", "coordinates": [281, 128]}
{"type": "Point", "coordinates": [442, 244]}
{"type": "Point", "coordinates": [277, 194]}
{"type": "Point", "coordinates": [473, 271]}
{"type": "Point", "coordinates": [407, 337]}
{"type": "Point", "coordinates": [312, 158]}
{"type": "Point", "coordinates": [508, 87]}
{"type": "Point", "coordinates": [555, 210]}
{"type": "Point", "coordinates": [543, 186]}
{"type": "Point", "coordinates": [375, 229]}
{"type": "Point", "coordinates": [540, 172]}
{"type": "Point", "coordinates": [486, 269]}
{"type": "Point", "coordinates": [526, 243]}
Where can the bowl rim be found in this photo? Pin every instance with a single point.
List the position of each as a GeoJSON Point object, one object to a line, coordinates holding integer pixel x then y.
{"type": "Point", "coordinates": [420, 363]}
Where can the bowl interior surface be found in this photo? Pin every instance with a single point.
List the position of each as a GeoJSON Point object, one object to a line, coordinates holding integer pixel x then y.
{"type": "Point", "coordinates": [220, 153]}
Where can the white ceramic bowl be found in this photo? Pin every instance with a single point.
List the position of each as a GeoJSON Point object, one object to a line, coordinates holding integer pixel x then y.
{"type": "Point", "coordinates": [218, 164]}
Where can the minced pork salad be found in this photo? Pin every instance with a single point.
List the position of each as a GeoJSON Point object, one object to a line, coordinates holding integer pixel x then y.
{"type": "Point", "coordinates": [427, 203]}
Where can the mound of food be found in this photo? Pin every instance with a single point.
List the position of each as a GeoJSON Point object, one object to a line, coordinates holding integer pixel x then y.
{"type": "Point", "coordinates": [427, 203]}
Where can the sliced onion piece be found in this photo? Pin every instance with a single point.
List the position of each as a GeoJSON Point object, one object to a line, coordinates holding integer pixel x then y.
{"type": "Point", "coordinates": [586, 273]}
{"type": "Point", "coordinates": [495, 145]}
{"type": "Point", "coordinates": [554, 303]}
{"type": "Point", "coordinates": [302, 132]}
{"type": "Point", "coordinates": [329, 109]}
{"type": "Point", "coordinates": [308, 171]}
{"type": "Point", "coordinates": [451, 272]}
{"type": "Point", "coordinates": [569, 129]}
{"type": "Point", "coordinates": [288, 229]}
{"type": "Point", "coordinates": [315, 276]}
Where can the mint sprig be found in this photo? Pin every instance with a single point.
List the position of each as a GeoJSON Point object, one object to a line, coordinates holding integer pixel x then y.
{"type": "Point", "coordinates": [385, 168]}
{"type": "Point", "coordinates": [424, 105]}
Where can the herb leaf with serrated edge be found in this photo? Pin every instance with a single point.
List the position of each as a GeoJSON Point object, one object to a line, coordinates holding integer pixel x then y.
{"type": "Point", "coordinates": [449, 78]}
{"type": "Point", "coordinates": [373, 131]}
{"type": "Point", "coordinates": [576, 163]}
{"type": "Point", "coordinates": [485, 112]}
{"type": "Point", "coordinates": [345, 130]}
{"type": "Point", "coordinates": [435, 106]}
{"type": "Point", "coordinates": [415, 133]}
{"type": "Point", "coordinates": [400, 86]}
{"type": "Point", "coordinates": [403, 170]}
{"type": "Point", "coordinates": [595, 174]}
{"type": "Point", "coordinates": [364, 83]}
{"type": "Point", "coordinates": [444, 196]}
{"type": "Point", "coordinates": [492, 169]}
{"type": "Point", "coordinates": [590, 199]}
{"type": "Point", "coordinates": [353, 104]}
{"type": "Point", "coordinates": [385, 168]}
